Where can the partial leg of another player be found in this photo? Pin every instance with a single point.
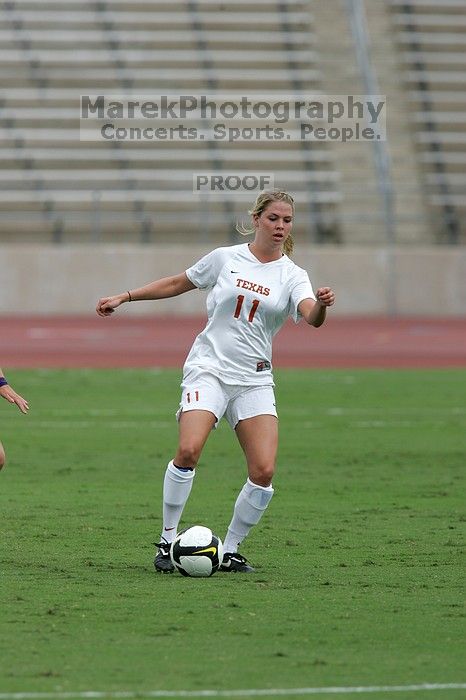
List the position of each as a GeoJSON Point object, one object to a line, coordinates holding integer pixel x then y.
{"type": "Point", "coordinates": [194, 429]}
{"type": "Point", "coordinates": [258, 436]}
{"type": "Point", "coordinates": [2, 456]}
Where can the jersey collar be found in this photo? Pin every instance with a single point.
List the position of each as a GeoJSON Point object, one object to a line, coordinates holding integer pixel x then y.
{"type": "Point", "coordinates": [251, 256]}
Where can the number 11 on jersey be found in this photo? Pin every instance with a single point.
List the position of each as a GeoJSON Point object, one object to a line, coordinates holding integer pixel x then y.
{"type": "Point", "coordinates": [239, 304]}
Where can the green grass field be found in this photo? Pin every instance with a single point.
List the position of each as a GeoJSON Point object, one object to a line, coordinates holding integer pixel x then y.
{"type": "Point", "coordinates": [359, 561]}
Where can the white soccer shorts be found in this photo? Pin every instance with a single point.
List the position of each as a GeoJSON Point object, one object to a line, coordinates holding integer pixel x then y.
{"type": "Point", "coordinates": [206, 392]}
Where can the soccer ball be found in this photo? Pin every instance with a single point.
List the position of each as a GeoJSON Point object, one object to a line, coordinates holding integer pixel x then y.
{"type": "Point", "coordinates": [196, 551]}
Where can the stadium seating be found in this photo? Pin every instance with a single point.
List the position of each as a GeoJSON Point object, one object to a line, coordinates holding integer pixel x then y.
{"type": "Point", "coordinates": [60, 188]}
{"type": "Point", "coordinates": [56, 187]}
{"type": "Point", "coordinates": [432, 41]}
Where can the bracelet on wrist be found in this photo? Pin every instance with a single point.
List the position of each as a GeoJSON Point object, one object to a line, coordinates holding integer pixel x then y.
{"type": "Point", "coordinates": [130, 298]}
{"type": "Point", "coordinates": [3, 382]}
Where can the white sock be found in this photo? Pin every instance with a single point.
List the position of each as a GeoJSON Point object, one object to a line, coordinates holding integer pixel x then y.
{"type": "Point", "coordinates": [249, 508]}
{"type": "Point", "coordinates": [177, 486]}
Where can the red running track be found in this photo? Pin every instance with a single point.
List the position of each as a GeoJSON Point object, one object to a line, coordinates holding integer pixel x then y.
{"type": "Point", "coordinates": [164, 342]}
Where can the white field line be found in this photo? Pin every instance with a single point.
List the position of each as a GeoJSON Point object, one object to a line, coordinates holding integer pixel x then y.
{"type": "Point", "coordinates": [122, 424]}
{"type": "Point", "coordinates": [57, 424]}
{"type": "Point", "coordinates": [393, 423]}
{"type": "Point", "coordinates": [103, 412]}
{"type": "Point", "coordinates": [336, 411]}
{"type": "Point", "coordinates": [74, 424]}
{"type": "Point", "coordinates": [246, 693]}
{"type": "Point", "coordinates": [135, 424]}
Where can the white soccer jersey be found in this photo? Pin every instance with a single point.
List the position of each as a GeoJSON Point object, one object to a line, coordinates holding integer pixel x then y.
{"type": "Point", "coordinates": [247, 304]}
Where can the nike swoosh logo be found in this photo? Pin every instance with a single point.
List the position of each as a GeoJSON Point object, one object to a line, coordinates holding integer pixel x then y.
{"type": "Point", "coordinates": [209, 549]}
{"type": "Point", "coordinates": [167, 529]}
{"type": "Point", "coordinates": [234, 272]}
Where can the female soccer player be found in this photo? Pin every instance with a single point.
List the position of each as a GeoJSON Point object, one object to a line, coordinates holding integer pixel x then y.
{"type": "Point", "coordinates": [10, 395]}
{"type": "Point", "coordinates": [253, 288]}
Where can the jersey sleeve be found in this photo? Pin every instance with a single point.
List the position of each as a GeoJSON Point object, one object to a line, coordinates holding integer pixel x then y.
{"type": "Point", "coordinates": [204, 273]}
{"type": "Point", "coordinates": [301, 288]}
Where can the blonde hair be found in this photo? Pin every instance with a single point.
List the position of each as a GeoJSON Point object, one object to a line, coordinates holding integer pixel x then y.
{"type": "Point", "coordinates": [262, 202]}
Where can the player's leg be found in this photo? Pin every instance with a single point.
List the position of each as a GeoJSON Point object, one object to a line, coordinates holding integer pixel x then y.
{"type": "Point", "coordinates": [202, 404]}
{"type": "Point", "coordinates": [194, 429]}
{"type": "Point", "coordinates": [2, 456]}
{"type": "Point", "coordinates": [258, 437]}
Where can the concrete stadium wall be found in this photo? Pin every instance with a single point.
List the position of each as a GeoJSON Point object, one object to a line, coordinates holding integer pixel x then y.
{"type": "Point", "coordinates": [53, 280]}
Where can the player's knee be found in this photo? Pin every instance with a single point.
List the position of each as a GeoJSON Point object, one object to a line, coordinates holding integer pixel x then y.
{"type": "Point", "coordinates": [2, 456]}
{"type": "Point", "coordinates": [188, 455]}
{"type": "Point", "coordinates": [262, 474]}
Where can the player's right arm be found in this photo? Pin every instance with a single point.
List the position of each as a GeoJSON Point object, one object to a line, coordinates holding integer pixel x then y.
{"type": "Point", "coordinates": [160, 289]}
{"type": "Point", "coordinates": [10, 394]}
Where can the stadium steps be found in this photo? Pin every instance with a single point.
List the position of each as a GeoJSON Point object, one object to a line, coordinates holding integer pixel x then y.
{"type": "Point", "coordinates": [10, 178]}
{"type": "Point", "coordinates": [148, 18]}
{"type": "Point", "coordinates": [75, 156]}
{"type": "Point", "coordinates": [363, 213]}
{"type": "Point", "coordinates": [150, 57]}
{"type": "Point", "coordinates": [51, 51]}
{"type": "Point", "coordinates": [433, 63]}
{"type": "Point", "coordinates": [143, 78]}
{"type": "Point", "coordinates": [122, 39]}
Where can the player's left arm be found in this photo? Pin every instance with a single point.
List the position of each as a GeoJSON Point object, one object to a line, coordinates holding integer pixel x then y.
{"type": "Point", "coordinates": [315, 312]}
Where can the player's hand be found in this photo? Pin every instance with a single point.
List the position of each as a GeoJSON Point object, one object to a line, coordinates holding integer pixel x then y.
{"type": "Point", "coordinates": [325, 296]}
{"type": "Point", "coordinates": [10, 395]}
{"type": "Point", "coordinates": [107, 305]}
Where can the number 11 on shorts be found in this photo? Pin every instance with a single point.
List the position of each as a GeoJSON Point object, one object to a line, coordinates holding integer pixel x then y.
{"type": "Point", "coordinates": [196, 396]}
{"type": "Point", "coordinates": [239, 304]}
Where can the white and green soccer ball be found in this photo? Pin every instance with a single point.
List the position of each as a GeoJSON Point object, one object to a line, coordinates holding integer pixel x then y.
{"type": "Point", "coordinates": [196, 552]}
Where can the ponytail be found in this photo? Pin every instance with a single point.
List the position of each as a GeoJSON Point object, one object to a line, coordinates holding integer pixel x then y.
{"type": "Point", "coordinates": [288, 246]}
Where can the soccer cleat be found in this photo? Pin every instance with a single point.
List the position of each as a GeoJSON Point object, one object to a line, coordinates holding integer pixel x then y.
{"type": "Point", "coordinates": [232, 561]}
{"type": "Point", "coordinates": [162, 561]}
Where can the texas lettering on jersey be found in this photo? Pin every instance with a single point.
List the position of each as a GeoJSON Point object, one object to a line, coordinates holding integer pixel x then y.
{"type": "Point", "coordinates": [253, 287]}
